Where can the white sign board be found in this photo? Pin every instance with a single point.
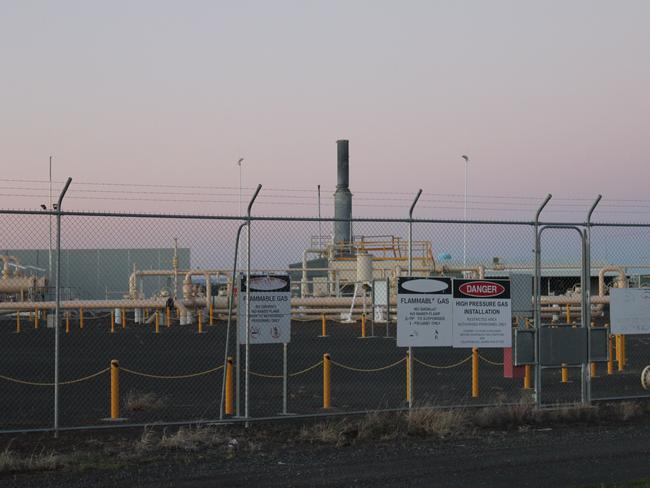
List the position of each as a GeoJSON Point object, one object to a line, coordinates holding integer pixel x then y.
{"type": "Point", "coordinates": [380, 300]}
{"type": "Point", "coordinates": [424, 312]}
{"type": "Point", "coordinates": [270, 309]}
{"type": "Point", "coordinates": [629, 310]}
{"type": "Point", "coordinates": [482, 313]}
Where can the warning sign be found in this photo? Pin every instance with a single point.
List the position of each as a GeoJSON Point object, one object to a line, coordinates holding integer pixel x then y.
{"type": "Point", "coordinates": [424, 312]}
{"type": "Point", "coordinates": [482, 313]}
{"type": "Point", "coordinates": [270, 309]}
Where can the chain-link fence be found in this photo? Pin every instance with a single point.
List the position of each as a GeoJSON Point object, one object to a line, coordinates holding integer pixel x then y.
{"type": "Point", "coordinates": [148, 317]}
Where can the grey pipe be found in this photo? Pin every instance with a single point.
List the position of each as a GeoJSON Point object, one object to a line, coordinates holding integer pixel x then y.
{"type": "Point", "coordinates": [342, 197]}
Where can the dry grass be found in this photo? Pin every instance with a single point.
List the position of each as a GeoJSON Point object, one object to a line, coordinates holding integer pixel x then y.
{"type": "Point", "coordinates": [13, 462]}
{"type": "Point", "coordinates": [148, 441]}
{"type": "Point", "coordinates": [137, 401]}
{"type": "Point", "coordinates": [328, 432]}
{"type": "Point", "coordinates": [379, 425]}
{"type": "Point", "coordinates": [192, 438]}
{"type": "Point", "coordinates": [428, 421]}
{"type": "Point", "coordinates": [628, 410]}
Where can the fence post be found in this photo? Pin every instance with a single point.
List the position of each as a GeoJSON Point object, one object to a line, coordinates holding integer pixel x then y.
{"type": "Point", "coordinates": [168, 317]}
{"type": "Point", "coordinates": [81, 318]}
{"type": "Point", "coordinates": [474, 372]}
{"type": "Point", "coordinates": [248, 306]}
{"type": "Point", "coordinates": [36, 318]}
{"type": "Point", "coordinates": [537, 293]}
{"type": "Point", "coordinates": [157, 322]}
{"type": "Point", "coordinates": [115, 389]}
{"type": "Point", "coordinates": [57, 304]}
{"type": "Point", "coordinates": [211, 312]}
{"type": "Point", "coordinates": [200, 321]}
{"type": "Point", "coordinates": [112, 322]}
{"type": "Point", "coordinates": [408, 377]}
{"type": "Point", "coordinates": [327, 400]}
{"type": "Point", "coordinates": [18, 322]}
{"type": "Point", "coordinates": [410, 350]}
{"type": "Point", "coordinates": [67, 322]}
{"type": "Point", "coordinates": [123, 317]}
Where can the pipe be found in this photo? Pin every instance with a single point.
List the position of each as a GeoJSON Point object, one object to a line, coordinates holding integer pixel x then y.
{"type": "Point", "coordinates": [622, 278]}
{"type": "Point", "coordinates": [6, 270]}
{"type": "Point", "coordinates": [342, 197]}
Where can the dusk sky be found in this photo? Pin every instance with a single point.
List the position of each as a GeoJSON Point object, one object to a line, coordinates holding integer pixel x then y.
{"type": "Point", "coordinates": [543, 96]}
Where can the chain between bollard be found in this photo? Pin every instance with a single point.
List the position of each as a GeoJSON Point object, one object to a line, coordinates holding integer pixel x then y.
{"type": "Point", "coordinates": [448, 366]}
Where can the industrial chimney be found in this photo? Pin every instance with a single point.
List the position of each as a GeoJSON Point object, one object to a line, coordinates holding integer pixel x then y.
{"type": "Point", "coordinates": [342, 196]}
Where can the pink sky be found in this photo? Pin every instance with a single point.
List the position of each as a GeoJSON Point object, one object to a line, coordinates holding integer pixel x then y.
{"type": "Point", "coordinates": [545, 97]}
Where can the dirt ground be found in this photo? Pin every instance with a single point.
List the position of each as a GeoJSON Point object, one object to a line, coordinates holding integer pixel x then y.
{"type": "Point", "coordinates": [490, 448]}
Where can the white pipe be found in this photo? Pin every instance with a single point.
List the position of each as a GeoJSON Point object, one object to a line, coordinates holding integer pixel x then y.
{"type": "Point", "coordinates": [622, 277]}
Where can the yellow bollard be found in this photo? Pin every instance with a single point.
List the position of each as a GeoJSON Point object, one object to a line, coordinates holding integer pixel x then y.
{"type": "Point", "coordinates": [408, 377]}
{"type": "Point", "coordinates": [229, 387]}
{"type": "Point", "coordinates": [527, 377]}
{"type": "Point", "coordinates": [112, 322]}
{"type": "Point", "coordinates": [211, 313]}
{"type": "Point", "coordinates": [81, 318]}
{"type": "Point", "coordinates": [622, 357]}
{"type": "Point", "coordinates": [67, 322]}
{"type": "Point", "coordinates": [157, 322]}
{"type": "Point", "coordinates": [199, 321]}
{"type": "Point", "coordinates": [323, 325]}
{"type": "Point", "coordinates": [36, 318]}
{"type": "Point", "coordinates": [475, 372]}
{"type": "Point", "coordinates": [123, 318]}
{"type": "Point", "coordinates": [327, 400]}
{"type": "Point", "coordinates": [17, 322]}
{"type": "Point", "coordinates": [594, 370]}
{"type": "Point", "coordinates": [610, 360]}
{"type": "Point", "coordinates": [565, 374]}
{"type": "Point", "coordinates": [115, 389]}
{"type": "Point", "coordinates": [363, 325]}
{"type": "Point", "coordinates": [168, 316]}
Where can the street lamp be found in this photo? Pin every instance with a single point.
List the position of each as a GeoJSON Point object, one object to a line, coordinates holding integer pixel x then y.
{"type": "Point", "coordinates": [241, 160]}
{"type": "Point", "coordinates": [466, 159]}
{"type": "Point", "coordinates": [49, 265]}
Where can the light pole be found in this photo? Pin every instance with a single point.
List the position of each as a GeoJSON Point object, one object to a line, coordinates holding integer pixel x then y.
{"type": "Point", "coordinates": [49, 261]}
{"type": "Point", "coordinates": [320, 232]}
{"type": "Point", "coordinates": [241, 160]}
{"type": "Point", "coordinates": [465, 213]}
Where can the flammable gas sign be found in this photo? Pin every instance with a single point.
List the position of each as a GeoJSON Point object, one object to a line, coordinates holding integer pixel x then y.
{"type": "Point", "coordinates": [424, 312]}
{"type": "Point", "coordinates": [482, 313]}
{"type": "Point", "coordinates": [270, 309]}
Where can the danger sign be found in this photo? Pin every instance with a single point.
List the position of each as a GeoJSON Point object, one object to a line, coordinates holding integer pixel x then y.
{"type": "Point", "coordinates": [482, 313]}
